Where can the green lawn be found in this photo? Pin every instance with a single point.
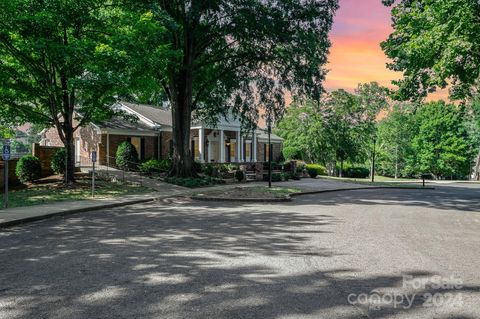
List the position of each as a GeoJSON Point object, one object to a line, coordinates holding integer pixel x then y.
{"type": "Point", "coordinates": [260, 192]}
{"type": "Point", "coordinates": [54, 192]}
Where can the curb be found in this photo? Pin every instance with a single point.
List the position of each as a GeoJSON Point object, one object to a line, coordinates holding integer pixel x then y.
{"type": "Point", "coordinates": [75, 211]}
{"type": "Point", "coordinates": [286, 198]}
{"type": "Point", "coordinates": [358, 188]}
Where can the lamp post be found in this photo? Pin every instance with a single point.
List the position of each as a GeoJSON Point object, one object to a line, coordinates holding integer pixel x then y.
{"type": "Point", "coordinates": [269, 129]}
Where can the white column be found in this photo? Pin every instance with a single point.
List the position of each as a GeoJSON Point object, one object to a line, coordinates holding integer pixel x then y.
{"type": "Point", "coordinates": [222, 147]}
{"type": "Point", "coordinates": [201, 144]}
{"type": "Point", "coordinates": [239, 147]}
{"type": "Point", "coordinates": [254, 141]}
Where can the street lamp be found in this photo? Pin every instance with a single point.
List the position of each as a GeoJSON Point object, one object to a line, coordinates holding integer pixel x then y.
{"type": "Point", "coordinates": [269, 129]}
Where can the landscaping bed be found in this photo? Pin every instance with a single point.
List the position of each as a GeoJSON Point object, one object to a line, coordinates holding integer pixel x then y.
{"type": "Point", "coordinates": [51, 189]}
{"type": "Point", "coordinates": [247, 194]}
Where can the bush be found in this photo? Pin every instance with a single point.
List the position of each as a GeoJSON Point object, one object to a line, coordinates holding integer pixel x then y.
{"type": "Point", "coordinates": [58, 161]}
{"type": "Point", "coordinates": [356, 172]}
{"type": "Point", "coordinates": [239, 175]}
{"type": "Point", "coordinates": [151, 167]}
{"type": "Point", "coordinates": [301, 166]}
{"type": "Point", "coordinates": [316, 169]}
{"type": "Point", "coordinates": [276, 177]}
{"type": "Point", "coordinates": [28, 169]}
{"type": "Point", "coordinates": [193, 182]}
{"type": "Point", "coordinates": [126, 156]}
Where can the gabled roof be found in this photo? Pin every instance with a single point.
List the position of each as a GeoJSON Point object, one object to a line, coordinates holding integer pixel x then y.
{"type": "Point", "coordinates": [120, 123]}
{"type": "Point", "coordinates": [157, 115]}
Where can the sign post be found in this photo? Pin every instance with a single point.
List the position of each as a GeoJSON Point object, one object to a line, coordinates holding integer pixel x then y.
{"type": "Point", "coordinates": [6, 158]}
{"type": "Point", "coordinates": [94, 159]}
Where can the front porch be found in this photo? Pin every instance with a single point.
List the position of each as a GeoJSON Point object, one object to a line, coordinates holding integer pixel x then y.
{"type": "Point", "coordinates": [223, 146]}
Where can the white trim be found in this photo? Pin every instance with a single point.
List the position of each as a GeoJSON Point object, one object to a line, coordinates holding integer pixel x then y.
{"type": "Point", "coordinates": [129, 132]}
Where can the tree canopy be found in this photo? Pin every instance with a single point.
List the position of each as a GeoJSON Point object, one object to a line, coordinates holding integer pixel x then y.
{"type": "Point", "coordinates": [238, 56]}
{"type": "Point", "coordinates": [435, 43]}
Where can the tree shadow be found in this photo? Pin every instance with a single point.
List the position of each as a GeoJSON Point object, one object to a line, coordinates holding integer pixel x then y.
{"type": "Point", "coordinates": [182, 259]}
{"type": "Point", "coordinates": [443, 198]}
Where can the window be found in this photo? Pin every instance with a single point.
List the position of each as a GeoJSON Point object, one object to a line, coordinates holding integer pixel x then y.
{"type": "Point", "coordinates": [137, 142]}
{"type": "Point", "coordinates": [248, 152]}
{"type": "Point", "coordinates": [232, 150]}
{"type": "Point", "coordinates": [266, 152]}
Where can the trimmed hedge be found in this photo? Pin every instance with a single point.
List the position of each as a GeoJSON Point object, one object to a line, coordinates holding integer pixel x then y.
{"type": "Point", "coordinates": [356, 172]}
{"type": "Point", "coordinates": [316, 169]}
{"type": "Point", "coordinates": [28, 169]}
{"type": "Point", "coordinates": [58, 161]}
{"type": "Point", "coordinates": [126, 156]}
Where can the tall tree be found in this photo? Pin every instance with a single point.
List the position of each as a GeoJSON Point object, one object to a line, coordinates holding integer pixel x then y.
{"type": "Point", "coordinates": [435, 43]}
{"type": "Point", "coordinates": [442, 145]}
{"type": "Point", "coordinates": [394, 134]}
{"type": "Point", "coordinates": [238, 55]}
{"type": "Point", "coordinates": [53, 58]}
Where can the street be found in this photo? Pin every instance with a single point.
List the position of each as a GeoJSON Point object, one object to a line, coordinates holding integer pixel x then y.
{"type": "Point", "coordinates": [353, 254]}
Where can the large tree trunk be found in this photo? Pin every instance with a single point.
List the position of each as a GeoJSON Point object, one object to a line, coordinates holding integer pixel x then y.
{"type": "Point", "coordinates": [70, 158]}
{"type": "Point", "coordinates": [341, 167]}
{"type": "Point", "coordinates": [181, 98]}
{"type": "Point", "coordinates": [476, 170]}
{"type": "Point", "coordinates": [182, 162]}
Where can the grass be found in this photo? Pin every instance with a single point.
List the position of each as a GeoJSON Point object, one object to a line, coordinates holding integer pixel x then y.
{"type": "Point", "coordinates": [55, 192]}
{"type": "Point", "coordinates": [379, 181]}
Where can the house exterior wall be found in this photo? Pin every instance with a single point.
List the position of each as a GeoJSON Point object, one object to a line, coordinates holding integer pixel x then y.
{"type": "Point", "coordinates": [276, 151]}
{"type": "Point", "coordinates": [88, 137]}
{"type": "Point", "coordinates": [151, 147]}
{"type": "Point", "coordinates": [45, 154]}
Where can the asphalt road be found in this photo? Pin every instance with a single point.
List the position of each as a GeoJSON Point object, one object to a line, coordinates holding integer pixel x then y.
{"type": "Point", "coordinates": [356, 254]}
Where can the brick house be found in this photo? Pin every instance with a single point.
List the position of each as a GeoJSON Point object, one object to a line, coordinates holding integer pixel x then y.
{"type": "Point", "coordinates": [151, 135]}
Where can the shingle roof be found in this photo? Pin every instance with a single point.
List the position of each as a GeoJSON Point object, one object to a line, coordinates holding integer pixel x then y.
{"type": "Point", "coordinates": [262, 136]}
{"type": "Point", "coordinates": [155, 114]}
{"type": "Point", "coordinates": [120, 123]}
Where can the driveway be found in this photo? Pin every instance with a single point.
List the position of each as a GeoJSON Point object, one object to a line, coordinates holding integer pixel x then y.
{"type": "Point", "coordinates": [351, 254]}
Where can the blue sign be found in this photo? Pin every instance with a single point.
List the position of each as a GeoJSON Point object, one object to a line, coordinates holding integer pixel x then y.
{"type": "Point", "coordinates": [6, 152]}
{"type": "Point", "coordinates": [94, 156]}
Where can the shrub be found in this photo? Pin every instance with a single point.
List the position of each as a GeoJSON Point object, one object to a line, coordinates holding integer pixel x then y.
{"type": "Point", "coordinates": [28, 169]}
{"type": "Point", "coordinates": [154, 166]}
{"type": "Point", "coordinates": [58, 161]}
{"type": "Point", "coordinates": [126, 156]}
{"type": "Point", "coordinates": [276, 177]}
{"type": "Point", "coordinates": [239, 175]}
{"type": "Point", "coordinates": [356, 172]}
{"type": "Point", "coordinates": [301, 166]}
{"type": "Point", "coordinates": [316, 169]}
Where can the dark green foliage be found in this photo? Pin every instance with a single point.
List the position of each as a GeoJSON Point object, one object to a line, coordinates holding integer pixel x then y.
{"type": "Point", "coordinates": [28, 169]}
{"type": "Point", "coordinates": [59, 161]}
{"type": "Point", "coordinates": [356, 172]}
{"type": "Point", "coordinates": [152, 167]}
{"type": "Point", "coordinates": [126, 156]}
{"type": "Point", "coordinates": [316, 169]}
{"type": "Point", "coordinates": [434, 44]}
{"type": "Point", "coordinates": [239, 175]}
{"type": "Point", "coordinates": [193, 182]}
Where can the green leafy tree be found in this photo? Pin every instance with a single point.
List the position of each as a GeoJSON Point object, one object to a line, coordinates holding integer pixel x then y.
{"type": "Point", "coordinates": [394, 135]}
{"type": "Point", "coordinates": [55, 62]}
{"type": "Point", "coordinates": [442, 145]}
{"type": "Point", "coordinates": [435, 43]}
{"type": "Point", "coordinates": [237, 55]}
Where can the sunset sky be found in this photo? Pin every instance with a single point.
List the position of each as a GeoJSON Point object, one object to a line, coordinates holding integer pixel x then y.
{"type": "Point", "coordinates": [355, 55]}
